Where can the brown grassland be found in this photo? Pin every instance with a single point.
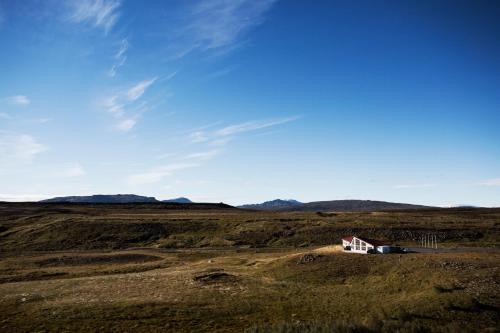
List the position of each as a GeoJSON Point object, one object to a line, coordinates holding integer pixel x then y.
{"type": "Point", "coordinates": [163, 268]}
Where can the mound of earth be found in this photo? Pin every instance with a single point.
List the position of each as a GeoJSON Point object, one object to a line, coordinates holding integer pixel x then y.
{"type": "Point", "coordinates": [308, 257]}
{"type": "Point", "coordinates": [216, 276]}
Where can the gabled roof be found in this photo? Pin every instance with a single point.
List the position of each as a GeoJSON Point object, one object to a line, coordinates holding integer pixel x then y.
{"type": "Point", "coordinates": [347, 238]}
{"type": "Point", "coordinates": [374, 242]}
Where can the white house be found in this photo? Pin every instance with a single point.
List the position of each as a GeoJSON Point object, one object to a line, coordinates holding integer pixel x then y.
{"type": "Point", "coordinates": [364, 245]}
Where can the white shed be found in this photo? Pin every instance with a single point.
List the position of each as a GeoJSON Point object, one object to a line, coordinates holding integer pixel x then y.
{"type": "Point", "coordinates": [357, 244]}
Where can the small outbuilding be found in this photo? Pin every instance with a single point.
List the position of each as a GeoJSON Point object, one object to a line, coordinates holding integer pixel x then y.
{"type": "Point", "coordinates": [357, 244]}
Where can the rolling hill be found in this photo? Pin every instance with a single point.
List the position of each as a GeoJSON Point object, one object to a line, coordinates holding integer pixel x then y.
{"type": "Point", "coordinates": [331, 206]}
{"type": "Point", "coordinates": [272, 205]}
{"type": "Point", "coordinates": [114, 198]}
{"type": "Point", "coordinates": [103, 198]}
{"type": "Point", "coordinates": [178, 200]}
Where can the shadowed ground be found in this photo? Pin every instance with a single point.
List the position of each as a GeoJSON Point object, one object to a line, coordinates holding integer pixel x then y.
{"type": "Point", "coordinates": [240, 272]}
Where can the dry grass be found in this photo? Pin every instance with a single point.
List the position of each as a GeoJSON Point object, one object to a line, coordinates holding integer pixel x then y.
{"type": "Point", "coordinates": [261, 292]}
{"type": "Point", "coordinates": [244, 278]}
{"type": "Point", "coordinates": [31, 227]}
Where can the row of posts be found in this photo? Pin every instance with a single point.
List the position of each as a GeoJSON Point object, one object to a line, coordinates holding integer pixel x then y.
{"type": "Point", "coordinates": [429, 241]}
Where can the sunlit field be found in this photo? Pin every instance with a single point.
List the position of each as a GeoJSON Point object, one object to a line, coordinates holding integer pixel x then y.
{"type": "Point", "coordinates": [151, 269]}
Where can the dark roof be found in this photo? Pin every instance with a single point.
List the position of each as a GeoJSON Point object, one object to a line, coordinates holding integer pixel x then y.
{"type": "Point", "coordinates": [347, 238]}
{"type": "Point", "coordinates": [374, 242]}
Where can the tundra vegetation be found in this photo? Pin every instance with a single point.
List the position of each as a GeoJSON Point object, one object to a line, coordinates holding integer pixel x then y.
{"type": "Point", "coordinates": [212, 268]}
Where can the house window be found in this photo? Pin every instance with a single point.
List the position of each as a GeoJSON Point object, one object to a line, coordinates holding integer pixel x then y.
{"type": "Point", "coordinates": [357, 244]}
{"type": "Point", "coordinates": [363, 246]}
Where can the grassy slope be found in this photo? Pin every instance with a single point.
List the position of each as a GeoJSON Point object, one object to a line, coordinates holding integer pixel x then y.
{"type": "Point", "coordinates": [350, 205]}
{"type": "Point", "coordinates": [60, 270]}
{"type": "Point", "coordinates": [264, 291]}
{"type": "Point", "coordinates": [66, 227]}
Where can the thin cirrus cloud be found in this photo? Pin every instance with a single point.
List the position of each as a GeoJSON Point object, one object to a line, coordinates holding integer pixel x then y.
{"type": "Point", "coordinates": [411, 186]}
{"type": "Point", "coordinates": [18, 100]}
{"type": "Point", "coordinates": [491, 182]}
{"type": "Point", "coordinates": [205, 155]}
{"type": "Point", "coordinates": [223, 135]}
{"type": "Point", "coordinates": [123, 107]}
{"type": "Point", "coordinates": [216, 24]}
{"type": "Point", "coordinates": [15, 148]}
{"type": "Point", "coordinates": [252, 126]}
{"type": "Point", "coordinates": [217, 137]}
{"type": "Point", "coordinates": [120, 57]}
{"type": "Point", "coordinates": [25, 197]}
{"type": "Point", "coordinates": [5, 115]}
{"type": "Point", "coordinates": [197, 136]}
{"type": "Point", "coordinates": [98, 13]}
{"type": "Point", "coordinates": [138, 90]}
{"type": "Point", "coordinates": [126, 124]}
{"type": "Point", "coordinates": [74, 170]}
{"type": "Point", "coordinates": [123, 48]}
{"type": "Point", "coordinates": [157, 174]}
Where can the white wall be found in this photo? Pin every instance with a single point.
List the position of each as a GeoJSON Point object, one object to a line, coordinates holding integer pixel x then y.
{"type": "Point", "coordinates": [357, 245]}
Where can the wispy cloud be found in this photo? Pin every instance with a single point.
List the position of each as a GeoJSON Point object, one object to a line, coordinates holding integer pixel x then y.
{"type": "Point", "coordinates": [163, 156]}
{"type": "Point", "coordinates": [24, 197]}
{"type": "Point", "coordinates": [409, 186]}
{"type": "Point", "coordinates": [157, 174]}
{"type": "Point", "coordinates": [98, 13]}
{"type": "Point", "coordinates": [114, 106]}
{"type": "Point", "coordinates": [42, 120]}
{"type": "Point", "coordinates": [19, 148]}
{"type": "Point", "coordinates": [252, 126]}
{"type": "Point", "coordinates": [209, 137]}
{"type": "Point", "coordinates": [491, 182]}
{"type": "Point", "coordinates": [4, 115]}
{"type": "Point", "coordinates": [138, 90]}
{"type": "Point", "coordinates": [18, 100]}
{"type": "Point", "coordinates": [123, 48]}
{"type": "Point", "coordinates": [120, 57]}
{"type": "Point", "coordinates": [215, 24]}
{"type": "Point", "coordinates": [220, 73]}
{"type": "Point", "coordinates": [220, 141]}
{"type": "Point", "coordinates": [123, 105]}
{"type": "Point", "coordinates": [205, 155]}
{"type": "Point", "coordinates": [221, 136]}
{"type": "Point", "coordinates": [126, 124]}
{"type": "Point", "coordinates": [182, 162]}
{"type": "Point", "coordinates": [74, 170]}
{"type": "Point", "coordinates": [198, 136]}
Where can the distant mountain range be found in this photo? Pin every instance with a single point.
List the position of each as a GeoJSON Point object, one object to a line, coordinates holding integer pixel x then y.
{"type": "Point", "coordinates": [114, 198]}
{"type": "Point", "coordinates": [178, 200]}
{"type": "Point", "coordinates": [273, 204]}
{"type": "Point", "coordinates": [331, 206]}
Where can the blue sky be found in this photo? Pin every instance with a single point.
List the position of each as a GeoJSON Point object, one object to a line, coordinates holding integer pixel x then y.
{"type": "Point", "coordinates": [248, 100]}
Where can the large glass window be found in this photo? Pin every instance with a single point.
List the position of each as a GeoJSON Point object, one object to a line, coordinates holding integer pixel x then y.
{"type": "Point", "coordinates": [363, 246]}
{"type": "Point", "coordinates": [357, 244]}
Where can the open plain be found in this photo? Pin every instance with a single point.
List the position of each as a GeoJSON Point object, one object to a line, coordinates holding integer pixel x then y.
{"type": "Point", "coordinates": [213, 268]}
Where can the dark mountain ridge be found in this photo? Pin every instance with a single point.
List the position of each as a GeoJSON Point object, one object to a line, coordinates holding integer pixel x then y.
{"type": "Point", "coordinates": [272, 204]}
{"type": "Point", "coordinates": [333, 206]}
{"type": "Point", "coordinates": [103, 198]}
{"type": "Point", "coordinates": [114, 198]}
{"type": "Point", "coordinates": [178, 200]}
